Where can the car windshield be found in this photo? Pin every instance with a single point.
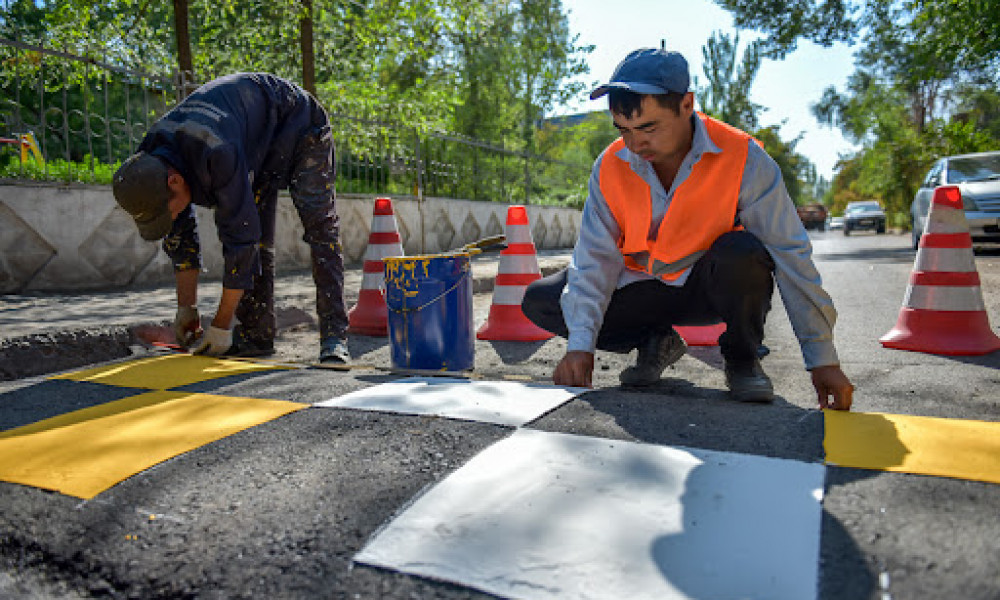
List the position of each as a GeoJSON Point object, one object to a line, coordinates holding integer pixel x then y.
{"type": "Point", "coordinates": [865, 208]}
{"type": "Point", "coordinates": [974, 168]}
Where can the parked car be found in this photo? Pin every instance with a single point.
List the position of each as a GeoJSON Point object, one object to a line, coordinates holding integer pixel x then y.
{"type": "Point", "coordinates": [865, 214]}
{"type": "Point", "coordinates": [978, 178]}
{"type": "Point", "coordinates": [813, 216]}
{"type": "Point", "coordinates": [834, 223]}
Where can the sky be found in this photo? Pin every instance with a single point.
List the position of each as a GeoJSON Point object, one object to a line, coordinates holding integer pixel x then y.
{"type": "Point", "coordinates": [786, 88]}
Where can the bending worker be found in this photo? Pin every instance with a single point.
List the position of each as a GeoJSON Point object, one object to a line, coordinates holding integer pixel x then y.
{"type": "Point", "coordinates": [687, 222]}
{"type": "Point", "coordinates": [231, 146]}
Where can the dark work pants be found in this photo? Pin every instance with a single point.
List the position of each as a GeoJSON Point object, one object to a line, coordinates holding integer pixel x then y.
{"type": "Point", "coordinates": [312, 192]}
{"type": "Point", "coordinates": [732, 283]}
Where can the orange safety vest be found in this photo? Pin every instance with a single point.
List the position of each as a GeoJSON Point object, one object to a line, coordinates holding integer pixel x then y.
{"type": "Point", "coordinates": [702, 209]}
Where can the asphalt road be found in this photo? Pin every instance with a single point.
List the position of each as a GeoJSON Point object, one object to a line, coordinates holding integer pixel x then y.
{"type": "Point", "coordinates": [279, 510]}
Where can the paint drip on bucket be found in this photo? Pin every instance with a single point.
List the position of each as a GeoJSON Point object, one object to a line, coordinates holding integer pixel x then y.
{"type": "Point", "coordinates": [429, 302]}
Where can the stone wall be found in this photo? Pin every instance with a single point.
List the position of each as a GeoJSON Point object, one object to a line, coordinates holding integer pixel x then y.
{"type": "Point", "coordinates": [69, 238]}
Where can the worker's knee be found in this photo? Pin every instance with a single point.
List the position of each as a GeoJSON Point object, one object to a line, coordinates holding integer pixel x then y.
{"type": "Point", "coordinates": [741, 250]}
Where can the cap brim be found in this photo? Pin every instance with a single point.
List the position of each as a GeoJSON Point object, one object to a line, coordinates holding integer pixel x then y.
{"type": "Point", "coordinates": [156, 228]}
{"type": "Point", "coordinates": [632, 86]}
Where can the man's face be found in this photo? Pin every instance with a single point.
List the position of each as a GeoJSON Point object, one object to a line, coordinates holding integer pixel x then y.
{"type": "Point", "coordinates": [657, 133]}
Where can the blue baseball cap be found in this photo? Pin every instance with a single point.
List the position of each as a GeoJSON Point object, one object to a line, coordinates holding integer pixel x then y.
{"type": "Point", "coordinates": [648, 71]}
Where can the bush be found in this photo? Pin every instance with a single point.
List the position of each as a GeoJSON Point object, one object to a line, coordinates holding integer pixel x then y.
{"type": "Point", "coordinates": [59, 170]}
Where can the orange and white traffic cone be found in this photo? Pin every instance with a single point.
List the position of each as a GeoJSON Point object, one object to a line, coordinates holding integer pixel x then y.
{"type": "Point", "coordinates": [370, 315]}
{"type": "Point", "coordinates": [943, 310]}
{"type": "Point", "coordinates": [518, 267]}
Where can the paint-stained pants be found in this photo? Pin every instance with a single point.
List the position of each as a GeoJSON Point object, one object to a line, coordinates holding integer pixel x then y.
{"type": "Point", "coordinates": [312, 192]}
{"type": "Point", "coordinates": [733, 282]}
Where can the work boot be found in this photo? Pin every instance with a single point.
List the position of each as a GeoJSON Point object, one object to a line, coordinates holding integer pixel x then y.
{"type": "Point", "coordinates": [656, 353]}
{"type": "Point", "coordinates": [334, 350]}
{"type": "Point", "coordinates": [747, 381]}
{"type": "Point", "coordinates": [247, 347]}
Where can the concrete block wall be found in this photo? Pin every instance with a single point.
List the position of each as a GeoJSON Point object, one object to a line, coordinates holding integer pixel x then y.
{"type": "Point", "coordinates": [73, 238]}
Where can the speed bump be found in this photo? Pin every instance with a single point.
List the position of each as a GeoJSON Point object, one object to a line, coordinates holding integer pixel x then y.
{"type": "Point", "coordinates": [167, 372]}
{"type": "Point", "coordinates": [962, 449]}
{"type": "Point", "coordinates": [85, 452]}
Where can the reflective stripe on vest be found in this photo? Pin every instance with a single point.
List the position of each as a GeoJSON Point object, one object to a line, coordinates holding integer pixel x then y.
{"type": "Point", "coordinates": [703, 206]}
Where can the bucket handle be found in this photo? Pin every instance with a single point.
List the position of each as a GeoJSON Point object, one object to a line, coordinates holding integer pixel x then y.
{"type": "Point", "coordinates": [496, 242]}
{"type": "Point", "coordinates": [464, 276]}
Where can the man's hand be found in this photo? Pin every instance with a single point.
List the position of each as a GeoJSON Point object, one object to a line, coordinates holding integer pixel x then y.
{"type": "Point", "coordinates": [575, 369]}
{"type": "Point", "coordinates": [214, 342]}
{"type": "Point", "coordinates": [831, 381]}
{"type": "Point", "coordinates": [187, 325]}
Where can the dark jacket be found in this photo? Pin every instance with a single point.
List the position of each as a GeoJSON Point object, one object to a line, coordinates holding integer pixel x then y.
{"type": "Point", "coordinates": [229, 137]}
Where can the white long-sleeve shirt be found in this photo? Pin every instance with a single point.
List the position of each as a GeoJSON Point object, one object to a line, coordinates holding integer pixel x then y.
{"type": "Point", "coordinates": [764, 209]}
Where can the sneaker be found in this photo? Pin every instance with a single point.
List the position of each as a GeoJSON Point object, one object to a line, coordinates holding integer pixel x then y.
{"type": "Point", "coordinates": [658, 352]}
{"type": "Point", "coordinates": [334, 350]}
{"type": "Point", "coordinates": [747, 381]}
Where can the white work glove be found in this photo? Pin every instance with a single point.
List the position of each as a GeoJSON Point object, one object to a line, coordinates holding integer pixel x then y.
{"type": "Point", "coordinates": [214, 342]}
{"type": "Point", "coordinates": [187, 325]}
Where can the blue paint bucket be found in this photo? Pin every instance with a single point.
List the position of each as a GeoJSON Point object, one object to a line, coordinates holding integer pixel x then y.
{"type": "Point", "coordinates": [429, 301]}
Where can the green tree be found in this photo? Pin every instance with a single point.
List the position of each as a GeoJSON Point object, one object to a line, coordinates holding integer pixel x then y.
{"type": "Point", "coordinates": [726, 96]}
{"type": "Point", "coordinates": [575, 141]}
{"type": "Point", "coordinates": [824, 22]}
{"type": "Point", "coordinates": [487, 69]}
{"type": "Point", "coordinates": [963, 33]}
{"type": "Point", "coordinates": [924, 85]}
{"type": "Point", "coordinates": [897, 148]}
{"type": "Point", "coordinates": [966, 31]}
{"type": "Point", "coordinates": [814, 186]}
{"type": "Point", "coordinates": [842, 188]}
{"type": "Point", "coordinates": [979, 105]}
{"type": "Point", "coordinates": [518, 60]}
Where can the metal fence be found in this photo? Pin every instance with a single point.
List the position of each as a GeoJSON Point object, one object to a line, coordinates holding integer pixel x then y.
{"type": "Point", "coordinates": [89, 114]}
{"type": "Point", "coordinates": [82, 112]}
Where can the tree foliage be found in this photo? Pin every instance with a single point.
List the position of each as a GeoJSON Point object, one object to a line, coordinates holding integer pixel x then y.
{"type": "Point", "coordinates": [726, 96]}
{"type": "Point", "coordinates": [786, 21]}
{"type": "Point", "coordinates": [484, 68]}
{"type": "Point", "coordinates": [925, 84]}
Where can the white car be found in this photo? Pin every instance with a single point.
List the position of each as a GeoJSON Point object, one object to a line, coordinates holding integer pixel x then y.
{"type": "Point", "coordinates": [978, 178]}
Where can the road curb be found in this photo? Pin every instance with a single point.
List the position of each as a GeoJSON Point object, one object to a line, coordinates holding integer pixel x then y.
{"type": "Point", "coordinates": [40, 354]}
{"type": "Point", "coordinates": [43, 353]}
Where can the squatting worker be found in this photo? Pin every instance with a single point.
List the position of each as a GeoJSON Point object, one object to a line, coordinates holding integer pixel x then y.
{"type": "Point", "coordinates": [231, 146]}
{"type": "Point", "coordinates": [687, 222]}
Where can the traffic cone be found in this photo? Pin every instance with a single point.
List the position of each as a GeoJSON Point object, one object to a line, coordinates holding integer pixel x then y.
{"type": "Point", "coordinates": [518, 267]}
{"type": "Point", "coordinates": [370, 315]}
{"type": "Point", "coordinates": [701, 335]}
{"type": "Point", "coordinates": [943, 310]}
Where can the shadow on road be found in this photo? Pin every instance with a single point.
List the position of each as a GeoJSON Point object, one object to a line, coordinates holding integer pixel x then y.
{"type": "Point", "coordinates": [679, 413]}
{"type": "Point", "coordinates": [52, 398]}
{"type": "Point", "coordinates": [891, 255]}
{"type": "Point", "coordinates": [986, 249]}
{"type": "Point", "coordinates": [991, 361]}
{"type": "Point", "coordinates": [516, 352]}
